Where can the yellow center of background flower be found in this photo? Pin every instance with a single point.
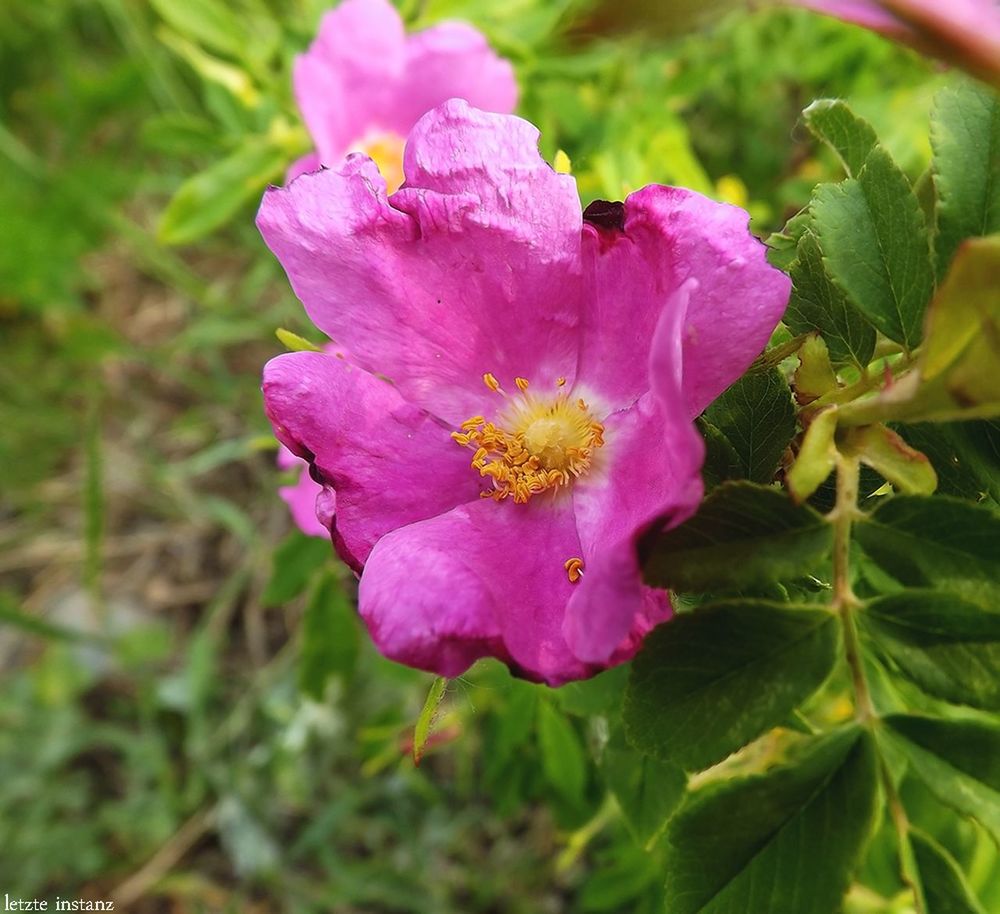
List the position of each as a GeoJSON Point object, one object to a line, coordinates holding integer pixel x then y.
{"type": "Point", "coordinates": [386, 151]}
{"type": "Point", "coordinates": [536, 444]}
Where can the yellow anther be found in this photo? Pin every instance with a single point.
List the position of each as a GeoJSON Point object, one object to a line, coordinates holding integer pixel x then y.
{"type": "Point", "coordinates": [560, 382]}
{"type": "Point", "coordinates": [574, 569]}
{"type": "Point", "coordinates": [536, 444]}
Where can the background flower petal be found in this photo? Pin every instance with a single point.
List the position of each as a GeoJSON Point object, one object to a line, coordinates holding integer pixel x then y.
{"type": "Point", "coordinates": [301, 495]}
{"type": "Point", "coordinates": [453, 60]}
{"type": "Point", "coordinates": [347, 81]}
{"type": "Point", "coordinates": [389, 462]}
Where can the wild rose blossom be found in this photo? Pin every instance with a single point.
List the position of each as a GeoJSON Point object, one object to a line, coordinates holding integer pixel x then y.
{"type": "Point", "coordinates": [364, 82]}
{"type": "Point", "coordinates": [546, 366]}
{"type": "Point", "coordinates": [963, 32]}
{"type": "Point", "coordinates": [361, 86]}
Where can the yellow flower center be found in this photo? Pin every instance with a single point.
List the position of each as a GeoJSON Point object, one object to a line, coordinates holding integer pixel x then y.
{"type": "Point", "coordinates": [386, 151]}
{"type": "Point", "coordinates": [537, 443]}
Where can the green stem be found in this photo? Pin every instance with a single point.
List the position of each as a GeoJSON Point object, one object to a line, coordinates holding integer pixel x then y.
{"type": "Point", "coordinates": [844, 601]}
{"type": "Point", "coordinates": [901, 823]}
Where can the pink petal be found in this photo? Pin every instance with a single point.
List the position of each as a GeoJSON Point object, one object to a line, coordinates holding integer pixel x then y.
{"type": "Point", "coordinates": [668, 236]}
{"type": "Point", "coordinates": [453, 60]}
{"type": "Point", "coordinates": [389, 463]}
{"type": "Point", "coordinates": [302, 166]}
{"type": "Point", "coordinates": [869, 14]}
{"type": "Point", "coordinates": [347, 81]}
{"type": "Point", "coordinates": [648, 476]}
{"type": "Point", "coordinates": [301, 495]}
{"type": "Point", "coordinates": [486, 579]}
{"type": "Point", "coordinates": [473, 268]}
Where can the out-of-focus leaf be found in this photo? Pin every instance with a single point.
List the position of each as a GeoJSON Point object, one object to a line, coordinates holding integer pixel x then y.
{"type": "Point", "coordinates": [818, 304]}
{"type": "Point", "coordinates": [958, 761]}
{"type": "Point", "coordinates": [965, 137]}
{"type": "Point", "coordinates": [206, 200]}
{"type": "Point", "coordinates": [849, 136]}
{"type": "Point", "coordinates": [708, 682]}
{"type": "Point", "coordinates": [742, 535]}
{"type": "Point", "coordinates": [875, 246]}
{"type": "Point", "coordinates": [784, 842]}
{"type": "Point", "coordinates": [945, 887]}
{"type": "Point", "coordinates": [563, 760]}
{"type": "Point", "coordinates": [330, 637]}
{"type": "Point", "coordinates": [428, 714]}
{"type": "Point", "coordinates": [757, 418]}
{"type": "Point", "coordinates": [296, 561]}
{"type": "Point", "coordinates": [647, 790]}
{"type": "Point", "coordinates": [947, 646]}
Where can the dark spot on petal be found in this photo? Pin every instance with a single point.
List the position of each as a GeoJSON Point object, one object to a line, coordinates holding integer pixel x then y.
{"type": "Point", "coordinates": [606, 214]}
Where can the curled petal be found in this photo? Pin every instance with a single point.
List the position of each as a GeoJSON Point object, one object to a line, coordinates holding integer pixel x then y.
{"type": "Point", "coordinates": [669, 236]}
{"type": "Point", "coordinates": [389, 463]}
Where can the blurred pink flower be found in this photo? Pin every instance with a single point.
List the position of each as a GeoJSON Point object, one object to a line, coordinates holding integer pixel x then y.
{"type": "Point", "coordinates": [364, 83]}
{"type": "Point", "coordinates": [962, 32]}
{"type": "Point", "coordinates": [301, 495]}
{"type": "Point", "coordinates": [546, 366]}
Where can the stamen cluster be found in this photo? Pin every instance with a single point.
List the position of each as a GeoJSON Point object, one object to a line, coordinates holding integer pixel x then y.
{"type": "Point", "coordinates": [536, 445]}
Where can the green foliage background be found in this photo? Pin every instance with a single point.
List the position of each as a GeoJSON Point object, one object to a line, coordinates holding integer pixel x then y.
{"type": "Point", "coordinates": [190, 715]}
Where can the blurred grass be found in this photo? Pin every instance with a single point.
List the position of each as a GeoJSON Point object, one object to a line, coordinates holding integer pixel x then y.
{"type": "Point", "coordinates": [155, 743]}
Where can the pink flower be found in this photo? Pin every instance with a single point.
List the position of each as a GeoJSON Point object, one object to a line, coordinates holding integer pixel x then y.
{"type": "Point", "coordinates": [547, 359]}
{"type": "Point", "coordinates": [963, 32]}
{"type": "Point", "coordinates": [302, 494]}
{"type": "Point", "coordinates": [364, 83]}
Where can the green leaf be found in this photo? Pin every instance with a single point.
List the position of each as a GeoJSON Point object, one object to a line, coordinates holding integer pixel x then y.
{"type": "Point", "coordinates": [955, 376]}
{"type": "Point", "coordinates": [965, 455]}
{"type": "Point", "coordinates": [427, 717]}
{"type": "Point", "coordinates": [958, 761]}
{"type": "Point", "coordinates": [875, 246]}
{"type": "Point", "coordinates": [945, 888]}
{"type": "Point", "coordinates": [816, 458]}
{"type": "Point", "coordinates": [757, 418]}
{"type": "Point", "coordinates": [563, 761]}
{"type": "Point", "coordinates": [965, 138]}
{"type": "Point", "coordinates": [721, 460]}
{"type": "Point", "coordinates": [295, 343]}
{"type": "Point", "coordinates": [948, 647]}
{"type": "Point", "coordinates": [330, 637]}
{"type": "Point", "coordinates": [784, 842]}
{"type": "Point", "coordinates": [849, 136]}
{"type": "Point", "coordinates": [210, 22]}
{"type": "Point", "coordinates": [296, 561]}
{"type": "Point", "coordinates": [206, 200]}
{"type": "Point", "coordinates": [707, 683]}
{"type": "Point", "coordinates": [647, 789]}
{"type": "Point", "coordinates": [936, 542]}
{"type": "Point", "coordinates": [743, 535]}
{"type": "Point", "coordinates": [909, 471]}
